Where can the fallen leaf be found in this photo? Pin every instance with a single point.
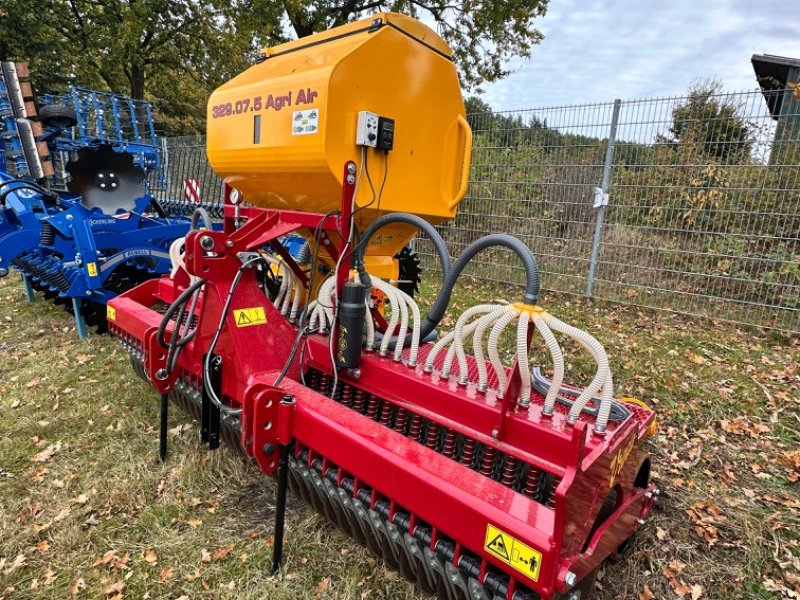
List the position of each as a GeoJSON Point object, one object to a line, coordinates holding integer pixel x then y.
{"type": "Point", "coordinates": [76, 586]}
{"type": "Point", "coordinates": [150, 556]}
{"type": "Point", "coordinates": [47, 453]}
{"type": "Point", "coordinates": [222, 552]}
{"type": "Point", "coordinates": [165, 574]}
{"type": "Point", "coordinates": [646, 594]}
{"type": "Point", "coordinates": [322, 586]}
{"type": "Point", "coordinates": [205, 555]}
{"type": "Point", "coordinates": [33, 382]}
{"type": "Point", "coordinates": [114, 588]}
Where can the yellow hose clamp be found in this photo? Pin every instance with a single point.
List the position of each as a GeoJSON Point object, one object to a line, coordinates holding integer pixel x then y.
{"type": "Point", "coordinates": [531, 309]}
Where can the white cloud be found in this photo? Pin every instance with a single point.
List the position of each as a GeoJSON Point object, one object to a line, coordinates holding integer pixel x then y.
{"type": "Point", "coordinates": [599, 50]}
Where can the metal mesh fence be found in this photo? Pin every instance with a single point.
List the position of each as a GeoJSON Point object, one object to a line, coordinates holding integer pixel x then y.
{"type": "Point", "coordinates": [188, 179]}
{"type": "Point", "coordinates": [689, 204]}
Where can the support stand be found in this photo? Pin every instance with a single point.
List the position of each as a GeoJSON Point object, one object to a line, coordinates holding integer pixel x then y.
{"type": "Point", "coordinates": [80, 324]}
{"type": "Point", "coordinates": [29, 295]}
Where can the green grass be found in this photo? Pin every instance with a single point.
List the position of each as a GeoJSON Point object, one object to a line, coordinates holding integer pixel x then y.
{"type": "Point", "coordinates": [102, 510]}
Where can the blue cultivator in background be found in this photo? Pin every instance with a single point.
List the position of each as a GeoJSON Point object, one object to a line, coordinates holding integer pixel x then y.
{"type": "Point", "coordinates": [77, 217]}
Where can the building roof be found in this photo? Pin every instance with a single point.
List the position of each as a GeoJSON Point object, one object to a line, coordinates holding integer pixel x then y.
{"type": "Point", "coordinates": [772, 73]}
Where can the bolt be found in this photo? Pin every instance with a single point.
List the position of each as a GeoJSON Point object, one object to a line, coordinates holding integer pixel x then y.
{"type": "Point", "coordinates": [207, 242]}
{"type": "Point", "coordinates": [162, 374]}
{"type": "Point", "coordinates": [326, 241]}
{"type": "Point", "coordinates": [69, 217]}
{"type": "Point", "coordinates": [351, 179]}
{"type": "Point", "coordinates": [229, 244]}
{"type": "Point", "coordinates": [268, 448]}
{"type": "Point", "coordinates": [354, 373]}
{"type": "Point", "coordinates": [351, 168]}
{"type": "Point", "coordinates": [570, 578]}
{"type": "Point", "coordinates": [495, 433]}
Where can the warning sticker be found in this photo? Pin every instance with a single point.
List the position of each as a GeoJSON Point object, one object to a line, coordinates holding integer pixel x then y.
{"type": "Point", "coordinates": [245, 317]}
{"type": "Point", "coordinates": [511, 551]}
{"type": "Point", "coordinates": [305, 122]}
{"type": "Point", "coordinates": [111, 313]}
{"type": "Point", "coordinates": [91, 268]}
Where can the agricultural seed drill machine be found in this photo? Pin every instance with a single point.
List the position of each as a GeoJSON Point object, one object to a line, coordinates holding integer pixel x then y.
{"type": "Point", "coordinates": [105, 233]}
{"type": "Point", "coordinates": [476, 476]}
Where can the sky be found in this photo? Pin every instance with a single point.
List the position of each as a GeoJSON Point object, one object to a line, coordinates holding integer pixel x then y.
{"type": "Point", "coordinates": [598, 50]}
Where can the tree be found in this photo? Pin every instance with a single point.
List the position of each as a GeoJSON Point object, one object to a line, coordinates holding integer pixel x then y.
{"type": "Point", "coordinates": [710, 120]}
{"type": "Point", "coordinates": [177, 51]}
{"type": "Point", "coordinates": [483, 34]}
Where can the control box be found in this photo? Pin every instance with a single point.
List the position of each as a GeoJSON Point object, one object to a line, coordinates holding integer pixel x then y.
{"type": "Point", "coordinates": [385, 133]}
{"type": "Point", "coordinates": [367, 129]}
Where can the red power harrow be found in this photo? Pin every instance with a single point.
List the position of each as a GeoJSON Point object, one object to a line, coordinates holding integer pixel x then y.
{"type": "Point", "coordinates": [461, 483]}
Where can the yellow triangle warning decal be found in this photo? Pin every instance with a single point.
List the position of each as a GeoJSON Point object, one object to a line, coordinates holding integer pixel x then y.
{"type": "Point", "coordinates": [497, 546]}
{"type": "Point", "coordinates": [245, 317]}
{"type": "Point", "coordinates": [515, 553]}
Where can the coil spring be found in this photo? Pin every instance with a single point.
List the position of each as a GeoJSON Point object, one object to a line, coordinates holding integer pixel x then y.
{"type": "Point", "coordinates": [532, 483]}
{"type": "Point", "coordinates": [372, 407]}
{"type": "Point", "coordinates": [386, 414]}
{"type": "Point", "coordinates": [551, 496]}
{"type": "Point", "coordinates": [61, 281]}
{"type": "Point", "coordinates": [416, 426]}
{"type": "Point", "coordinates": [48, 235]}
{"type": "Point", "coordinates": [509, 471]}
{"type": "Point", "coordinates": [400, 421]}
{"type": "Point", "coordinates": [433, 436]}
{"type": "Point", "coordinates": [347, 395]}
{"type": "Point", "coordinates": [449, 444]}
{"type": "Point", "coordinates": [325, 385]}
{"type": "Point", "coordinates": [313, 377]}
{"type": "Point", "coordinates": [358, 400]}
{"type": "Point", "coordinates": [487, 465]}
{"type": "Point", "coordinates": [468, 453]}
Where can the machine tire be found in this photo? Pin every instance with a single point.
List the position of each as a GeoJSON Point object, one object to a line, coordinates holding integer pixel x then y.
{"type": "Point", "coordinates": [58, 117]}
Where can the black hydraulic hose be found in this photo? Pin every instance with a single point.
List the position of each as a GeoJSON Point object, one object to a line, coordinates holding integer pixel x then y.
{"type": "Point", "coordinates": [24, 185]}
{"type": "Point", "coordinates": [438, 244]}
{"type": "Point", "coordinates": [531, 295]}
{"type": "Point", "coordinates": [419, 223]}
{"type": "Point", "coordinates": [439, 307]}
{"type": "Point", "coordinates": [179, 338]}
{"type": "Point", "coordinates": [201, 213]}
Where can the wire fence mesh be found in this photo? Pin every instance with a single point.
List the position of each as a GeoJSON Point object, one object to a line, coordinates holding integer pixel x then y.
{"type": "Point", "coordinates": [188, 179]}
{"type": "Point", "coordinates": [689, 204]}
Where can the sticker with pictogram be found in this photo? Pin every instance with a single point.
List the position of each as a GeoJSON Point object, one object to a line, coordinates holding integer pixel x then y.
{"type": "Point", "coordinates": [91, 268]}
{"type": "Point", "coordinates": [513, 552]}
{"type": "Point", "coordinates": [245, 317]}
{"type": "Point", "coordinates": [111, 313]}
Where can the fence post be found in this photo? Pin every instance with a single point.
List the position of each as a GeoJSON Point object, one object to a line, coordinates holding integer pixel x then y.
{"type": "Point", "coordinates": [601, 199]}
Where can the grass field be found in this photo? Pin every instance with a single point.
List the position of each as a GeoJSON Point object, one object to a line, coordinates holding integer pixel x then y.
{"type": "Point", "coordinates": [87, 511]}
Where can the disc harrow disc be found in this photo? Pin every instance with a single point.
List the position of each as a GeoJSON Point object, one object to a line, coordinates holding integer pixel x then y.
{"type": "Point", "coordinates": [106, 179]}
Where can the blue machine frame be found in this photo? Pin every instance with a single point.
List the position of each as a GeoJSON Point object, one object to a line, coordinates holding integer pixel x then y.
{"type": "Point", "coordinates": [62, 248]}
